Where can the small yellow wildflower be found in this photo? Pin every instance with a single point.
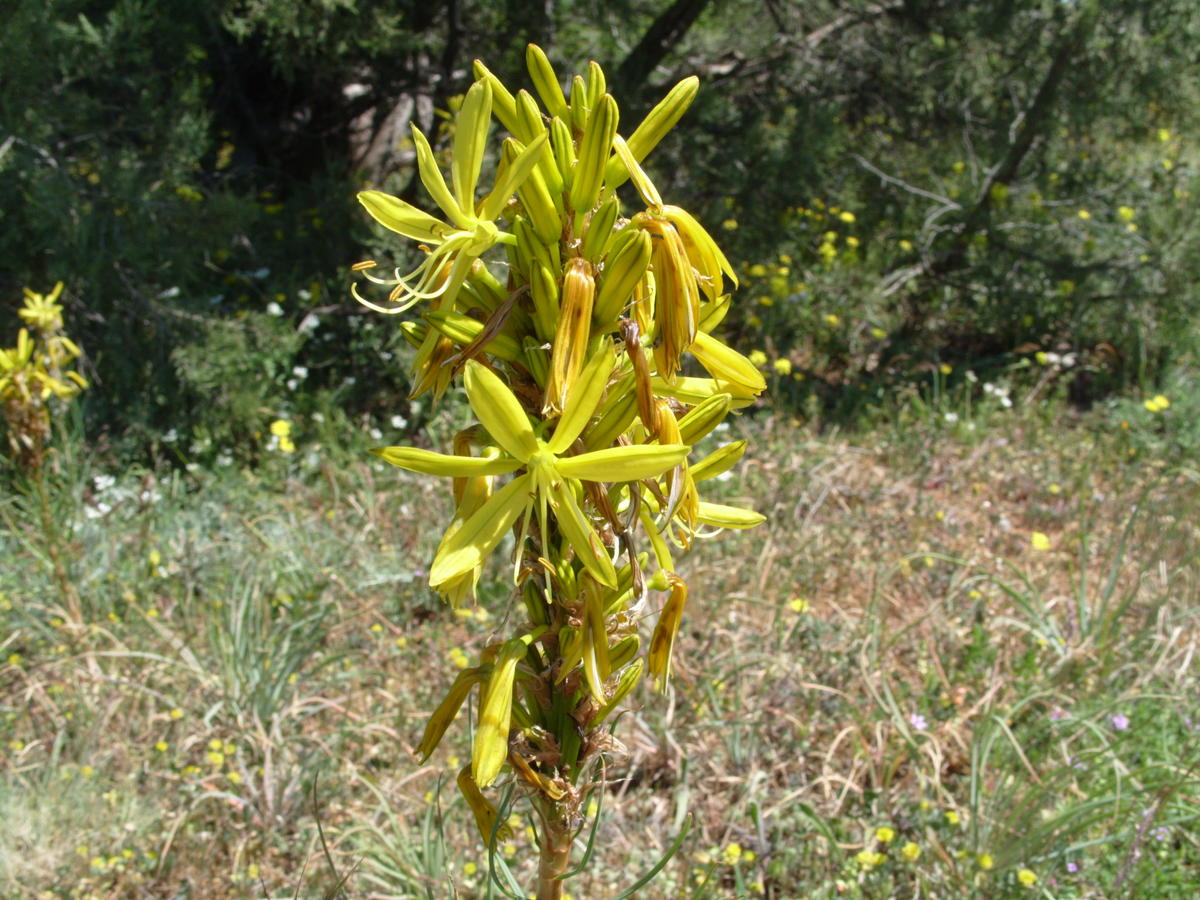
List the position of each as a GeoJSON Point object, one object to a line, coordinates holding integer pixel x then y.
{"type": "Point", "coordinates": [758, 270]}
{"type": "Point", "coordinates": [1039, 541]}
{"type": "Point", "coordinates": [852, 242]}
{"type": "Point", "coordinates": [176, 713]}
{"type": "Point", "coordinates": [906, 245]}
{"type": "Point", "coordinates": [847, 217]}
{"type": "Point", "coordinates": [234, 777]}
{"type": "Point", "coordinates": [951, 817]}
{"type": "Point", "coordinates": [401, 642]}
{"type": "Point", "coordinates": [470, 868]}
{"type": "Point", "coordinates": [732, 853]}
{"type": "Point", "coordinates": [869, 859]}
{"type": "Point", "coordinates": [782, 366]}
{"type": "Point", "coordinates": [878, 333]}
{"type": "Point", "coordinates": [757, 358]}
{"type": "Point", "coordinates": [1054, 488]}
{"type": "Point", "coordinates": [1157, 403]}
{"type": "Point", "coordinates": [831, 319]}
{"type": "Point", "coordinates": [1164, 135]}
{"type": "Point", "coordinates": [287, 445]}
{"type": "Point", "coordinates": [1125, 213]}
{"type": "Point", "coordinates": [87, 771]}
{"type": "Point", "coordinates": [1027, 877]}
{"type": "Point", "coordinates": [986, 862]}
{"type": "Point", "coordinates": [1084, 214]}
{"type": "Point", "coordinates": [162, 746]}
{"type": "Point", "coordinates": [215, 758]}
{"type": "Point", "coordinates": [959, 167]}
{"type": "Point", "coordinates": [945, 368]}
{"type": "Point", "coordinates": [730, 224]}
{"type": "Point", "coordinates": [798, 604]}
{"type": "Point", "coordinates": [910, 852]}
{"type": "Point", "coordinates": [885, 834]}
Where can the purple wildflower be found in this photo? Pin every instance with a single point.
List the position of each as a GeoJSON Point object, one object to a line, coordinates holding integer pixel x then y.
{"type": "Point", "coordinates": [1119, 721]}
{"type": "Point", "coordinates": [917, 721]}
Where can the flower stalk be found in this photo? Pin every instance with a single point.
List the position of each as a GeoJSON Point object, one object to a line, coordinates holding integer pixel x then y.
{"type": "Point", "coordinates": [580, 368]}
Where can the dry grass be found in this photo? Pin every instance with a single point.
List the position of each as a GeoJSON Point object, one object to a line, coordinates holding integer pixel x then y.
{"type": "Point", "coordinates": [283, 641]}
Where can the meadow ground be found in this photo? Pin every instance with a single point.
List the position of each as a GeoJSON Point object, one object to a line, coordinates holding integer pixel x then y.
{"type": "Point", "coordinates": [961, 660]}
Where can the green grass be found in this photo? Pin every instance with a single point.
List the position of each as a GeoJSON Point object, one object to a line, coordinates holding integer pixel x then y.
{"type": "Point", "coordinates": [259, 652]}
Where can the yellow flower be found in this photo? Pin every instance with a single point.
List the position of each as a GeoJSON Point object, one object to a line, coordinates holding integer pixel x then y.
{"type": "Point", "coordinates": [758, 270]}
{"type": "Point", "coordinates": [878, 333]}
{"type": "Point", "coordinates": [951, 817]}
{"type": "Point", "coordinates": [885, 834]}
{"type": "Point", "coordinates": [945, 368]}
{"type": "Point", "coordinates": [281, 428]}
{"type": "Point", "coordinates": [1125, 213]}
{"type": "Point", "coordinates": [851, 242]}
{"type": "Point", "coordinates": [798, 604]}
{"type": "Point", "coordinates": [906, 245]}
{"type": "Point", "coordinates": [1157, 403]}
{"type": "Point", "coordinates": [732, 853]}
{"type": "Point", "coordinates": [1164, 135]}
{"type": "Point", "coordinates": [1084, 214]}
{"type": "Point", "coordinates": [757, 358]}
{"type": "Point", "coordinates": [869, 859]}
{"type": "Point", "coordinates": [831, 319]}
{"type": "Point", "coordinates": [910, 852]}
{"type": "Point", "coordinates": [1039, 541]}
{"type": "Point", "coordinates": [730, 224]}
{"type": "Point", "coordinates": [1027, 877]}
{"type": "Point", "coordinates": [1054, 488]}
{"type": "Point", "coordinates": [847, 217]}
{"type": "Point", "coordinates": [176, 713]}
{"type": "Point", "coordinates": [161, 746]}
{"type": "Point", "coordinates": [286, 445]}
{"type": "Point", "coordinates": [986, 862]}
{"type": "Point", "coordinates": [782, 366]}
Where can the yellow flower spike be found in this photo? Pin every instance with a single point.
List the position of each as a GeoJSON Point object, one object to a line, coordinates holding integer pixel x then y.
{"type": "Point", "coordinates": [545, 82]}
{"type": "Point", "coordinates": [618, 464]}
{"type": "Point", "coordinates": [499, 411]}
{"type": "Point", "coordinates": [704, 417]}
{"type": "Point", "coordinates": [470, 140]}
{"type": "Point", "coordinates": [573, 522]}
{"type": "Point", "coordinates": [583, 398]}
{"type": "Point", "coordinates": [435, 183]}
{"type": "Point", "coordinates": [652, 129]}
{"type": "Point", "coordinates": [572, 333]}
{"type": "Point", "coordinates": [628, 681]}
{"type": "Point", "coordinates": [621, 272]}
{"type": "Point", "coordinates": [726, 364]}
{"type": "Point", "coordinates": [490, 748]}
{"type": "Point", "coordinates": [467, 548]}
{"type": "Point", "coordinates": [504, 105]}
{"type": "Point", "coordinates": [427, 462]}
{"type": "Point", "coordinates": [596, 664]}
{"type": "Point", "coordinates": [677, 298]}
{"type": "Point", "coordinates": [396, 215]}
{"type": "Point", "coordinates": [448, 709]}
{"type": "Point", "coordinates": [484, 812]}
{"type": "Point", "coordinates": [718, 462]}
{"type": "Point", "coordinates": [693, 391]}
{"type": "Point", "coordinates": [702, 251]}
{"type": "Point", "coordinates": [734, 517]}
{"type": "Point", "coordinates": [641, 181]}
{"type": "Point", "coordinates": [593, 155]}
{"type": "Point", "coordinates": [517, 173]}
{"type": "Point", "coordinates": [662, 641]}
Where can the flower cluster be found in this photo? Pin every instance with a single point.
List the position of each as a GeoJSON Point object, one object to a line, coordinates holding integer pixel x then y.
{"type": "Point", "coordinates": [579, 367]}
{"type": "Point", "coordinates": [34, 373]}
